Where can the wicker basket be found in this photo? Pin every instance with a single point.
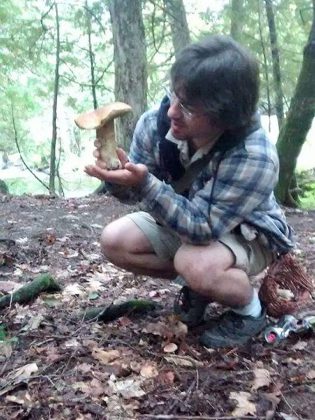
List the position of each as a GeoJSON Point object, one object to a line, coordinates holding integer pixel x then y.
{"type": "Point", "coordinates": [286, 275]}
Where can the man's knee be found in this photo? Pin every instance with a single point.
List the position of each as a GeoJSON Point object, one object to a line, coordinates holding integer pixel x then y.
{"type": "Point", "coordinates": [112, 238]}
{"type": "Point", "coordinates": [200, 267]}
{"type": "Point", "coordinates": [123, 237]}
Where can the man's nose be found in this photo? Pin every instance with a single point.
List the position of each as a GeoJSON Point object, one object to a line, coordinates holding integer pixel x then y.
{"type": "Point", "coordinates": [174, 110]}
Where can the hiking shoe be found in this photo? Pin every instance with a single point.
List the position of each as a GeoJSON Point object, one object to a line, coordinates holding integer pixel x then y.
{"type": "Point", "coordinates": [190, 307]}
{"type": "Point", "coordinates": [232, 329]}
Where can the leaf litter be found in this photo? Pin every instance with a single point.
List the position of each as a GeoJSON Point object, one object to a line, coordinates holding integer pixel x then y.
{"type": "Point", "coordinates": [55, 365]}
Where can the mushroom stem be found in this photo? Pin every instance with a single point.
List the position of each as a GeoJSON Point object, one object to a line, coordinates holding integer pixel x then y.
{"type": "Point", "coordinates": [106, 136]}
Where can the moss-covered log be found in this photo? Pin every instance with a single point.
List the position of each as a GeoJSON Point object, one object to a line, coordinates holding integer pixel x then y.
{"type": "Point", "coordinates": [114, 311]}
{"type": "Point", "coordinates": [28, 292]}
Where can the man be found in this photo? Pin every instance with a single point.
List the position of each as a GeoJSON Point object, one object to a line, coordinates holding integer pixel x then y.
{"type": "Point", "coordinates": [204, 171]}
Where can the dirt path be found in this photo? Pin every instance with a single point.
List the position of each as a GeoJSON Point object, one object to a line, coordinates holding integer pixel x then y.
{"type": "Point", "coordinates": [53, 365]}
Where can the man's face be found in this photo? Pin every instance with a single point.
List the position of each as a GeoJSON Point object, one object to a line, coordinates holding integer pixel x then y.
{"type": "Point", "coordinates": [190, 122]}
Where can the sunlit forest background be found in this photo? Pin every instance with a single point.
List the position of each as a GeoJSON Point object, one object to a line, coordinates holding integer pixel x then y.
{"type": "Point", "coordinates": [61, 58]}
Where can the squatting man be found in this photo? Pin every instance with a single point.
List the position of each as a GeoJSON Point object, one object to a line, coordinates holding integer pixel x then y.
{"type": "Point", "coordinates": [204, 171]}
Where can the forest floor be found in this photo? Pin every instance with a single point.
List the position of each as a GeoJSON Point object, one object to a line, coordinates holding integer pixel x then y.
{"type": "Point", "coordinates": [55, 365]}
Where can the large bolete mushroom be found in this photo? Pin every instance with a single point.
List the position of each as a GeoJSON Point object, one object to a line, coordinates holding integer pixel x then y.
{"type": "Point", "coordinates": [102, 119]}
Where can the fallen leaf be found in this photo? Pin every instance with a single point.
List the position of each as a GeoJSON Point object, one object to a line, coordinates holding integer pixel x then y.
{"type": "Point", "coordinates": [300, 345]}
{"type": "Point", "coordinates": [5, 350]}
{"type": "Point", "coordinates": [8, 286]}
{"type": "Point", "coordinates": [244, 407]}
{"type": "Point", "coordinates": [73, 289]}
{"type": "Point", "coordinates": [128, 388]}
{"type": "Point", "coordinates": [155, 328]}
{"type": "Point", "coordinates": [22, 398]}
{"type": "Point", "coordinates": [105, 356]}
{"type": "Point", "coordinates": [262, 378]}
{"type": "Point", "coordinates": [274, 399]}
{"type": "Point", "coordinates": [34, 323]}
{"type": "Point", "coordinates": [84, 368]}
{"type": "Point", "coordinates": [167, 378]}
{"type": "Point", "coordinates": [72, 343]}
{"type": "Point", "coordinates": [170, 348]}
{"type": "Point", "coordinates": [311, 374]}
{"type": "Point", "coordinates": [149, 370]}
{"type": "Point", "coordinates": [24, 372]}
{"type": "Point", "coordinates": [184, 361]}
{"type": "Point", "coordinates": [93, 388]}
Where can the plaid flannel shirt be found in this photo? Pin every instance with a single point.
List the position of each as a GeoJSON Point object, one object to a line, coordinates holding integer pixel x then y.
{"type": "Point", "coordinates": [233, 190]}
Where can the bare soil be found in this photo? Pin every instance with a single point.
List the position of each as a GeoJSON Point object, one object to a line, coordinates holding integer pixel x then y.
{"type": "Point", "coordinates": [55, 365]}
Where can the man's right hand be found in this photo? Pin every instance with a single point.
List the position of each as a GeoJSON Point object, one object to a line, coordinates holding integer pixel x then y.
{"type": "Point", "coordinates": [130, 175]}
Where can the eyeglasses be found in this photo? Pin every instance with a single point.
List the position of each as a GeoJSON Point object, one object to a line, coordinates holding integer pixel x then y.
{"type": "Point", "coordinates": [183, 108]}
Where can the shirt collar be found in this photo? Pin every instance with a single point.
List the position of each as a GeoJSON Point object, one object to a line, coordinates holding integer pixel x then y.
{"type": "Point", "coordinates": [184, 151]}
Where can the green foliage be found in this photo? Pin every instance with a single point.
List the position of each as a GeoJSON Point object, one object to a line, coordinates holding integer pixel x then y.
{"type": "Point", "coordinates": [29, 185]}
{"type": "Point", "coordinates": [27, 59]}
{"type": "Point", "coordinates": [3, 332]}
{"type": "Point", "coordinates": [306, 186]}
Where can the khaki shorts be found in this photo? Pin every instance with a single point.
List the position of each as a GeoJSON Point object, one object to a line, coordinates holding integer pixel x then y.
{"type": "Point", "coordinates": [250, 256]}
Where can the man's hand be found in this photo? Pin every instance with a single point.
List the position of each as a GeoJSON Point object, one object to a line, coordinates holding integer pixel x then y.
{"type": "Point", "coordinates": [131, 175]}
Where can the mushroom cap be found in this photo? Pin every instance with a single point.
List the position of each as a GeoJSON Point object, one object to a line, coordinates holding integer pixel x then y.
{"type": "Point", "coordinates": [101, 116]}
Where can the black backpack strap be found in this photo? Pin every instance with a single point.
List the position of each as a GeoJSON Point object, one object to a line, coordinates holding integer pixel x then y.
{"type": "Point", "coordinates": [182, 185]}
{"type": "Point", "coordinates": [171, 167]}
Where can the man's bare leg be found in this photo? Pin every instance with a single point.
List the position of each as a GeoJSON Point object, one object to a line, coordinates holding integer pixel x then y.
{"type": "Point", "coordinates": [125, 245]}
{"type": "Point", "coordinates": [208, 270]}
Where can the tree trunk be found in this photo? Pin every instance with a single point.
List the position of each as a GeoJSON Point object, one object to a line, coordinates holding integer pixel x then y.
{"type": "Point", "coordinates": [52, 172]}
{"type": "Point", "coordinates": [265, 70]}
{"type": "Point", "coordinates": [91, 55]}
{"type": "Point", "coordinates": [175, 9]}
{"type": "Point", "coordinates": [275, 61]}
{"type": "Point", "coordinates": [130, 64]}
{"type": "Point", "coordinates": [237, 15]}
{"type": "Point", "coordinates": [298, 122]}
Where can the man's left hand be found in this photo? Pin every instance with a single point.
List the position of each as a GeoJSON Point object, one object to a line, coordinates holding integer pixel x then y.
{"type": "Point", "coordinates": [130, 175]}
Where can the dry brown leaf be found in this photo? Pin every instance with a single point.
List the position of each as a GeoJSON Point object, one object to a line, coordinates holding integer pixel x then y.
{"type": "Point", "coordinates": [149, 370]}
{"type": "Point", "coordinates": [128, 388]}
{"type": "Point", "coordinates": [300, 345]}
{"type": "Point", "coordinates": [22, 398]}
{"type": "Point", "coordinates": [5, 350]}
{"type": "Point", "coordinates": [105, 356]}
{"type": "Point", "coordinates": [35, 322]}
{"type": "Point", "coordinates": [170, 348]}
{"type": "Point", "coordinates": [24, 372]}
{"type": "Point", "coordinates": [244, 407]}
{"type": "Point", "coordinates": [73, 289]}
{"type": "Point", "coordinates": [167, 378]}
{"type": "Point", "coordinates": [156, 328]}
{"type": "Point", "coordinates": [93, 388]}
{"type": "Point", "coordinates": [171, 329]}
{"type": "Point", "coordinates": [262, 378]}
{"type": "Point", "coordinates": [184, 361]}
{"type": "Point", "coordinates": [8, 286]}
{"type": "Point", "coordinates": [180, 329]}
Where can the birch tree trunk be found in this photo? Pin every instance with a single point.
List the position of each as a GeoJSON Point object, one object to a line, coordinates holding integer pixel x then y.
{"type": "Point", "coordinates": [53, 168]}
{"type": "Point", "coordinates": [175, 9]}
{"type": "Point", "coordinates": [275, 61]}
{"type": "Point", "coordinates": [130, 63]}
{"type": "Point", "coordinates": [298, 122]}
